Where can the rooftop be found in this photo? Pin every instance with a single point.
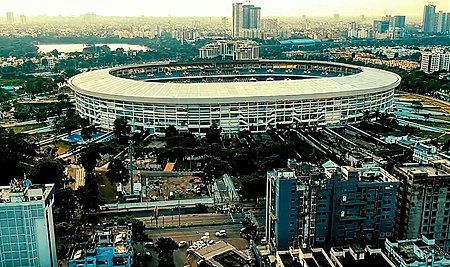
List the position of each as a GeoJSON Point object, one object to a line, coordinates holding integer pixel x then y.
{"type": "Point", "coordinates": [91, 238]}
{"type": "Point", "coordinates": [24, 191]}
{"type": "Point", "coordinates": [356, 255]}
{"type": "Point", "coordinates": [101, 83]}
{"type": "Point", "coordinates": [222, 254]}
{"type": "Point", "coordinates": [424, 170]}
{"type": "Point", "coordinates": [413, 250]}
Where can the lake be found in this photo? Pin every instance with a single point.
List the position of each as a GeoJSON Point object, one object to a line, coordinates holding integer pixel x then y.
{"type": "Point", "coordinates": [69, 48]}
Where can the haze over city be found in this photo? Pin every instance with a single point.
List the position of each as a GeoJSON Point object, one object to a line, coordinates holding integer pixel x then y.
{"type": "Point", "coordinates": [224, 133]}
{"type": "Point", "coordinates": [217, 7]}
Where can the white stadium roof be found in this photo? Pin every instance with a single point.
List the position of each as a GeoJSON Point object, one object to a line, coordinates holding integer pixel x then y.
{"type": "Point", "coordinates": [102, 84]}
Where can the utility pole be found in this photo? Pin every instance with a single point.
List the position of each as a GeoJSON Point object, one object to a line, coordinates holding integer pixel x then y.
{"type": "Point", "coordinates": [179, 214]}
{"type": "Point", "coordinates": [131, 153]}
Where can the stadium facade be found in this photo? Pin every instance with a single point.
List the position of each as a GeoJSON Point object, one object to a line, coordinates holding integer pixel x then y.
{"type": "Point", "coordinates": [242, 95]}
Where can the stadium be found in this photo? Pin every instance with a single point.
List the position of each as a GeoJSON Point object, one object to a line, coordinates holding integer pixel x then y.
{"type": "Point", "coordinates": [238, 95]}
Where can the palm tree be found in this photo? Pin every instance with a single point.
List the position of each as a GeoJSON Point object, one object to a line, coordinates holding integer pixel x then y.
{"type": "Point", "coordinates": [366, 115]}
{"type": "Point", "coordinates": [376, 114]}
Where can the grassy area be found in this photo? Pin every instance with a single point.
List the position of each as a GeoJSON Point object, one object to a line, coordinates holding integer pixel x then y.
{"type": "Point", "coordinates": [62, 147]}
{"type": "Point", "coordinates": [21, 129]}
{"type": "Point", "coordinates": [426, 134]}
{"type": "Point", "coordinates": [437, 109]}
{"type": "Point", "coordinates": [107, 190]}
{"type": "Point", "coordinates": [445, 118]}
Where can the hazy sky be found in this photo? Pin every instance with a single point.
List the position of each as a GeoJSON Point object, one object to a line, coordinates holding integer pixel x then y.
{"type": "Point", "coordinates": [216, 7]}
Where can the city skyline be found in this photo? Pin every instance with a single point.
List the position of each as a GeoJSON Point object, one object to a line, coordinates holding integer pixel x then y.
{"type": "Point", "coordinates": [221, 7]}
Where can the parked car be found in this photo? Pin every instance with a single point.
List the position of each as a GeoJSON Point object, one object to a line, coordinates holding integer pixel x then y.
{"type": "Point", "coordinates": [182, 244]}
{"type": "Point", "coordinates": [221, 233]}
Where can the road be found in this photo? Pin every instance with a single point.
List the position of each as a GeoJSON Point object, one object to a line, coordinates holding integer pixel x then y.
{"type": "Point", "coordinates": [160, 204]}
{"type": "Point", "coordinates": [184, 220]}
{"type": "Point", "coordinates": [194, 234]}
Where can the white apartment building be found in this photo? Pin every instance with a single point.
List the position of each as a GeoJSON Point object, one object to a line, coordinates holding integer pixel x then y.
{"type": "Point", "coordinates": [27, 237]}
{"type": "Point", "coordinates": [237, 50]}
{"type": "Point", "coordinates": [433, 61]}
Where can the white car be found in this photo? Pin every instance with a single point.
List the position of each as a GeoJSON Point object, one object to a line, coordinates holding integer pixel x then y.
{"type": "Point", "coordinates": [221, 233]}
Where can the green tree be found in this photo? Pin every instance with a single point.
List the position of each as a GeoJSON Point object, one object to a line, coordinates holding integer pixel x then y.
{"type": "Point", "coordinates": [65, 204]}
{"type": "Point", "coordinates": [171, 131]}
{"type": "Point", "coordinates": [49, 170]}
{"type": "Point", "coordinates": [117, 172]}
{"type": "Point", "coordinates": [165, 247]}
{"type": "Point", "coordinates": [121, 129]}
{"type": "Point", "coordinates": [89, 157]}
{"type": "Point", "coordinates": [249, 229]}
{"type": "Point", "coordinates": [213, 134]}
{"type": "Point", "coordinates": [88, 196]}
{"type": "Point", "coordinates": [214, 168]}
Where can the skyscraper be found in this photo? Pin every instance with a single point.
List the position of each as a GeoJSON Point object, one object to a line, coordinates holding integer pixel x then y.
{"type": "Point", "coordinates": [10, 17]}
{"type": "Point", "coordinates": [27, 235]}
{"type": "Point", "coordinates": [443, 22]}
{"type": "Point", "coordinates": [238, 20]}
{"type": "Point", "coordinates": [23, 19]}
{"type": "Point", "coordinates": [251, 17]}
{"type": "Point", "coordinates": [245, 17]}
{"type": "Point", "coordinates": [429, 18]}
{"type": "Point", "coordinates": [398, 22]}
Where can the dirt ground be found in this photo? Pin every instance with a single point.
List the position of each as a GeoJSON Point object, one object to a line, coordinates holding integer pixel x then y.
{"type": "Point", "coordinates": [181, 187]}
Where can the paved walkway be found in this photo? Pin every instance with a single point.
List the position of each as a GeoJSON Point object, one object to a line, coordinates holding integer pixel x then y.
{"type": "Point", "coordinates": [169, 167]}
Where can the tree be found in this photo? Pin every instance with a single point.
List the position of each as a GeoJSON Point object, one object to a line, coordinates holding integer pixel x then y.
{"type": "Point", "coordinates": [15, 149]}
{"type": "Point", "coordinates": [165, 247]}
{"type": "Point", "coordinates": [49, 170]}
{"type": "Point", "coordinates": [89, 157]}
{"type": "Point", "coordinates": [366, 115]}
{"type": "Point", "coordinates": [88, 196]}
{"type": "Point", "coordinates": [214, 168]}
{"type": "Point", "coordinates": [65, 204]}
{"type": "Point", "coordinates": [121, 129]}
{"type": "Point", "coordinates": [213, 134]}
{"type": "Point", "coordinates": [253, 186]}
{"type": "Point", "coordinates": [117, 172]}
{"type": "Point", "coordinates": [249, 229]}
{"type": "Point", "coordinates": [171, 131]}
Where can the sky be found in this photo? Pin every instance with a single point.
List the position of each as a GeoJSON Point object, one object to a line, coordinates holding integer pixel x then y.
{"type": "Point", "coordinates": [217, 7]}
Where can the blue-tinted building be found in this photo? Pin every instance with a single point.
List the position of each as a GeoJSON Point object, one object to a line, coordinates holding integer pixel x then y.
{"type": "Point", "coordinates": [330, 206]}
{"type": "Point", "coordinates": [27, 236]}
{"type": "Point", "coordinates": [417, 252]}
{"type": "Point", "coordinates": [102, 246]}
{"type": "Point", "coordinates": [281, 208]}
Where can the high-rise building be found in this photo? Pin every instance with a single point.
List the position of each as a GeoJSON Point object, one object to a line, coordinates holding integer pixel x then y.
{"type": "Point", "coordinates": [89, 17]}
{"type": "Point", "coordinates": [397, 22]}
{"type": "Point", "coordinates": [329, 206]}
{"type": "Point", "coordinates": [380, 26]}
{"type": "Point", "coordinates": [27, 235]}
{"type": "Point", "coordinates": [269, 25]}
{"type": "Point", "coordinates": [423, 202]}
{"type": "Point", "coordinates": [443, 22]}
{"type": "Point", "coordinates": [23, 19]}
{"type": "Point", "coordinates": [10, 17]}
{"type": "Point", "coordinates": [429, 18]}
{"type": "Point", "coordinates": [433, 61]}
{"type": "Point", "coordinates": [238, 20]}
{"type": "Point", "coordinates": [252, 17]}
